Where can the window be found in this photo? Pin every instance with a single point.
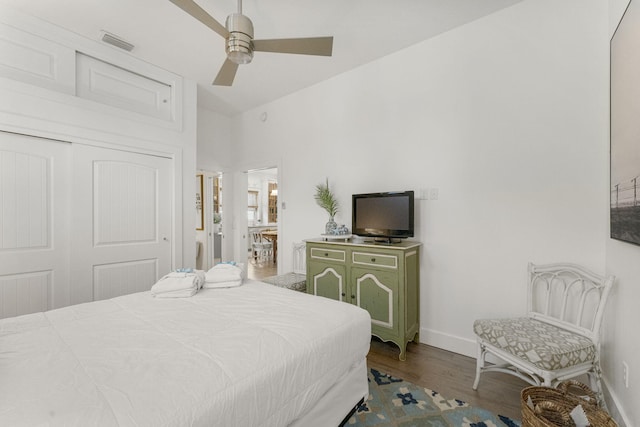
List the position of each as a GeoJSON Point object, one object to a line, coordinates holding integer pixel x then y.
{"type": "Point", "coordinates": [217, 194]}
{"type": "Point", "coordinates": [273, 202]}
{"type": "Point", "coordinates": [217, 200]}
{"type": "Point", "coordinates": [252, 205]}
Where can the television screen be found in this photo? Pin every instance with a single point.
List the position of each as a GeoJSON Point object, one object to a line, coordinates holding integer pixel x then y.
{"type": "Point", "coordinates": [388, 215]}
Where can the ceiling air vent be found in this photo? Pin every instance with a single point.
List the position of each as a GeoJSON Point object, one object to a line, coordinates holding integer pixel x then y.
{"type": "Point", "coordinates": [116, 41]}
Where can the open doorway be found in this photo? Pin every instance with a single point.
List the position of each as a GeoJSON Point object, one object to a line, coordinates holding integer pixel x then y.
{"type": "Point", "coordinates": [262, 223]}
{"type": "Point", "coordinates": [209, 217]}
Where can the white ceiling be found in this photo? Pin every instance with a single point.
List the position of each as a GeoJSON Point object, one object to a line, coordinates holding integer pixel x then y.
{"type": "Point", "coordinates": [163, 34]}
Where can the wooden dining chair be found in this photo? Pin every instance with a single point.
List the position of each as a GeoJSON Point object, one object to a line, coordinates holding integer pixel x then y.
{"type": "Point", "coordinates": [261, 250]}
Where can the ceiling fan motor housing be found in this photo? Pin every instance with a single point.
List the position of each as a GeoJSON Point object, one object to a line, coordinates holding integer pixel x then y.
{"type": "Point", "coordinates": [239, 45]}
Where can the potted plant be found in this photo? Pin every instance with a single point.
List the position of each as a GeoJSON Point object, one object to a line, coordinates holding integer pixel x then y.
{"type": "Point", "coordinates": [327, 201]}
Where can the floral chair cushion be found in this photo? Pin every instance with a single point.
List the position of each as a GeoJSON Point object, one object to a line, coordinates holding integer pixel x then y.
{"type": "Point", "coordinates": [294, 281]}
{"type": "Point", "coordinates": [546, 346]}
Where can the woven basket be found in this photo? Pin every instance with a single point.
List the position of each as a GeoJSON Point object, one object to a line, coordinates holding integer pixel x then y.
{"type": "Point", "coordinates": [552, 406]}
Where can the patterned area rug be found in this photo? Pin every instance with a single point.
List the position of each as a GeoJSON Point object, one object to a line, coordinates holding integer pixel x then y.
{"type": "Point", "coordinates": [397, 403]}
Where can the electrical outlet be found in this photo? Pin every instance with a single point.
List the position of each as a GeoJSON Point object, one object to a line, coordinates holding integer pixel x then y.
{"type": "Point", "coordinates": [625, 374]}
{"type": "Point", "coordinates": [433, 194]}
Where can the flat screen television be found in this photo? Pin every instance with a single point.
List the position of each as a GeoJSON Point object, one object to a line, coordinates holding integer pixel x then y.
{"type": "Point", "coordinates": [383, 215]}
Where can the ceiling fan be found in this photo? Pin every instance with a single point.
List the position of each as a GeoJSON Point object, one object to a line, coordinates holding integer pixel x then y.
{"type": "Point", "coordinates": [240, 45]}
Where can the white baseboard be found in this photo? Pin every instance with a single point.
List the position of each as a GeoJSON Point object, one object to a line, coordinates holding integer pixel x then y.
{"type": "Point", "coordinates": [449, 342]}
{"type": "Point", "coordinates": [615, 408]}
{"type": "Point", "coordinates": [465, 346]}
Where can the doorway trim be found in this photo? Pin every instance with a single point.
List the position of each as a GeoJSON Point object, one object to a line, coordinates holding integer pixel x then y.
{"type": "Point", "coordinates": [241, 187]}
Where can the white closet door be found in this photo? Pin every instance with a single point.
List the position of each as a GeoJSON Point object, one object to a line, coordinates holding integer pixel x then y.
{"type": "Point", "coordinates": [34, 209]}
{"type": "Point", "coordinates": [121, 220]}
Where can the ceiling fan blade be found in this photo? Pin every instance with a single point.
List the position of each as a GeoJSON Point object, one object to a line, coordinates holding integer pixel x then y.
{"type": "Point", "coordinates": [226, 74]}
{"type": "Point", "coordinates": [322, 46]}
{"type": "Point", "coordinates": [201, 15]}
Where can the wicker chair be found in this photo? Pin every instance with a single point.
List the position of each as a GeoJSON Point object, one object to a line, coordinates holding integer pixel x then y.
{"type": "Point", "coordinates": [559, 338]}
{"type": "Point", "coordinates": [297, 279]}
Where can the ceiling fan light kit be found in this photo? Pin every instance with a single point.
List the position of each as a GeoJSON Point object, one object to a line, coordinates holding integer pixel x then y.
{"type": "Point", "coordinates": [240, 45]}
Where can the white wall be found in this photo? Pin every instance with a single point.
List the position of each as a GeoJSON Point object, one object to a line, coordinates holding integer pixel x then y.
{"type": "Point", "coordinates": [215, 153]}
{"type": "Point", "coordinates": [622, 341]}
{"type": "Point", "coordinates": [506, 116]}
{"type": "Point", "coordinates": [215, 150]}
{"type": "Point", "coordinates": [621, 338]}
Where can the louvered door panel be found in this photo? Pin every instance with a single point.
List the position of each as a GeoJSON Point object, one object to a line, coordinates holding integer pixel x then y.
{"type": "Point", "coordinates": [121, 235]}
{"type": "Point", "coordinates": [125, 203]}
{"type": "Point", "coordinates": [24, 293]}
{"type": "Point", "coordinates": [35, 60]}
{"type": "Point", "coordinates": [111, 85]}
{"type": "Point", "coordinates": [112, 280]}
{"type": "Point", "coordinates": [33, 228]}
{"type": "Point", "coordinates": [26, 213]}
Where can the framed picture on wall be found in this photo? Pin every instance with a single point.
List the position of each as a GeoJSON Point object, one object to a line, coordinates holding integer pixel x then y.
{"type": "Point", "coordinates": [199, 203]}
{"type": "Point", "coordinates": [625, 127]}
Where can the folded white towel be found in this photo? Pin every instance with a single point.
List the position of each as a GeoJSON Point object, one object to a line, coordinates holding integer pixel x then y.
{"type": "Point", "coordinates": [222, 273]}
{"type": "Point", "coordinates": [184, 293]}
{"type": "Point", "coordinates": [178, 284]}
{"type": "Point", "coordinates": [228, 284]}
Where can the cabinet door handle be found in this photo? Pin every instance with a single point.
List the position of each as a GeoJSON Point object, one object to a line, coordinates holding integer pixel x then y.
{"type": "Point", "coordinates": [353, 297]}
{"type": "Point", "coordinates": [326, 254]}
{"type": "Point", "coordinates": [373, 260]}
{"type": "Point", "coordinates": [344, 295]}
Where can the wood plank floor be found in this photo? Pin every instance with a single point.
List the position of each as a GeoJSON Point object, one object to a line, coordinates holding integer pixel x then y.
{"type": "Point", "coordinates": [451, 375]}
{"type": "Point", "coordinates": [257, 271]}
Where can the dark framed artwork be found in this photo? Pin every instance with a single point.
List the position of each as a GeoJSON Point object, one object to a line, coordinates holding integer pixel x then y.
{"type": "Point", "coordinates": [625, 127]}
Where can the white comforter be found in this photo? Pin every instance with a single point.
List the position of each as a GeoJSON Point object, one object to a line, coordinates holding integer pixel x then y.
{"type": "Point", "coordinates": [255, 355]}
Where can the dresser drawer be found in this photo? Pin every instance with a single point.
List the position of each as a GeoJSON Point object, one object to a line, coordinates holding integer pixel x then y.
{"type": "Point", "coordinates": [328, 254]}
{"type": "Point", "coordinates": [375, 260]}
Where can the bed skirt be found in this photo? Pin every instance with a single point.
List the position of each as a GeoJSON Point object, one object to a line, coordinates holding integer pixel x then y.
{"type": "Point", "coordinates": [338, 402]}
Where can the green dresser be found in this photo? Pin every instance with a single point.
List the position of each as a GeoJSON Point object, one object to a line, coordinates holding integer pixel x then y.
{"type": "Point", "coordinates": [382, 279]}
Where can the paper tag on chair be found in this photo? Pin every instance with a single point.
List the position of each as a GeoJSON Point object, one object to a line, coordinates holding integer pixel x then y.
{"type": "Point", "coordinates": [579, 417]}
{"type": "Point", "coordinates": [529, 402]}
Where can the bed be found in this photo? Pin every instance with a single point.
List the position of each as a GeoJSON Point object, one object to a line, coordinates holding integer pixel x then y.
{"type": "Point", "coordinates": [254, 355]}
